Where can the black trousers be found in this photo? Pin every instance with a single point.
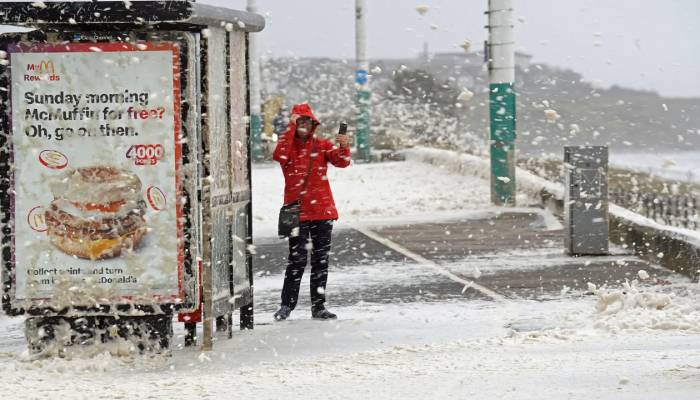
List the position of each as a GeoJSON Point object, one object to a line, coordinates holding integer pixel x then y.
{"type": "Point", "coordinates": [314, 236]}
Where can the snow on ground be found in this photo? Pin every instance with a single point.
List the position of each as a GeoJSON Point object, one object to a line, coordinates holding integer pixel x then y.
{"type": "Point", "coordinates": [367, 191]}
{"type": "Point", "coordinates": [529, 185]}
{"type": "Point", "coordinates": [638, 305]}
{"type": "Point", "coordinates": [630, 342]}
{"type": "Point", "coordinates": [632, 308]}
{"type": "Point", "coordinates": [479, 350]}
{"type": "Point", "coordinates": [682, 166]}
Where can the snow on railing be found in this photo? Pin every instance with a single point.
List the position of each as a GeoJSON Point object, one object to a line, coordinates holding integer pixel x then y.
{"type": "Point", "coordinates": [534, 186]}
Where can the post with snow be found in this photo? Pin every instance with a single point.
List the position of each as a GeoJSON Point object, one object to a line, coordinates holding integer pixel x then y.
{"type": "Point", "coordinates": [362, 83]}
{"type": "Point", "coordinates": [254, 71]}
{"type": "Point", "coordinates": [500, 53]}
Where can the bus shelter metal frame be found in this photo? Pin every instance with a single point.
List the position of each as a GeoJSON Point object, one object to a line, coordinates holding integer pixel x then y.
{"type": "Point", "coordinates": [210, 76]}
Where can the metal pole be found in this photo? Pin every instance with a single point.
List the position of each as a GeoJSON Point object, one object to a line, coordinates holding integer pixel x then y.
{"type": "Point", "coordinates": [362, 83]}
{"type": "Point", "coordinates": [207, 306]}
{"type": "Point", "coordinates": [254, 71]}
{"type": "Point", "coordinates": [500, 52]}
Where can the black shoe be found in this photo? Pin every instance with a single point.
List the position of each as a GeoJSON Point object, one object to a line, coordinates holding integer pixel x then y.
{"type": "Point", "coordinates": [322, 313]}
{"type": "Point", "coordinates": [283, 313]}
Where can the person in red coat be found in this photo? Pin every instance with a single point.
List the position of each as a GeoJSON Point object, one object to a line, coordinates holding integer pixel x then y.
{"type": "Point", "coordinates": [298, 151]}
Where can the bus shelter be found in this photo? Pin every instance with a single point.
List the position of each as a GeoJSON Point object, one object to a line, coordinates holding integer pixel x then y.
{"type": "Point", "coordinates": [124, 168]}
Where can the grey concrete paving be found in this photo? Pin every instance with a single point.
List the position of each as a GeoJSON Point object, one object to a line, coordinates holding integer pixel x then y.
{"type": "Point", "coordinates": [454, 240]}
{"type": "Point", "coordinates": [350, 247]}
{"type": "Point", "coordinates": [519, 257]}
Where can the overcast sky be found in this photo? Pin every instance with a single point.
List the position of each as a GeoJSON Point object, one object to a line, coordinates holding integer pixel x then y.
{"type": "Point", "coordinates": [648, 44]}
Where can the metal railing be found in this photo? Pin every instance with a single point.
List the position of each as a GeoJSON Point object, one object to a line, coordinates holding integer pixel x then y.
{"type": "Point", "coordinates": [672, 210]}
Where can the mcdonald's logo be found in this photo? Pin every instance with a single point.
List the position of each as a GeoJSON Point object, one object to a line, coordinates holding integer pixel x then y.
{"type": "Point", "coordinates": [42, 71]}
{"type": "Point", "coordinates": [44, 67]}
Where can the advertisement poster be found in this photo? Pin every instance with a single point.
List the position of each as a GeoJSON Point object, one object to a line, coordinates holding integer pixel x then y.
{"type": "Point", "coordinates": [95, 130]}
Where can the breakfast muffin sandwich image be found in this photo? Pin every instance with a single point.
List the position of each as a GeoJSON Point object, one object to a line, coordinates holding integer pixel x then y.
{"type": "Point", "coordinates": [97, 212]}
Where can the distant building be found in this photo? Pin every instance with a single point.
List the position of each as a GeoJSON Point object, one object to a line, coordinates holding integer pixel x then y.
{"type": "Point", "coordinates": [461, 67]}
{"type": "Point", "coordinates": [465, 69]}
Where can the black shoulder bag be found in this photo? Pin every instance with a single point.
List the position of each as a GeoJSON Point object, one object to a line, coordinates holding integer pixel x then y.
{"type": "Point", "coordinates": [289, 213]}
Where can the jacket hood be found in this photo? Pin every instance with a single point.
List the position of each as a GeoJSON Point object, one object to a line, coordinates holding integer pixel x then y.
{"type": "Point", "coordinates": [304, 110]}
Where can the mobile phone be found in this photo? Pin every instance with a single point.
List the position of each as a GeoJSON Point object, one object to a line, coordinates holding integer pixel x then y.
{"type": "Point", "coordinates": [343, 129]}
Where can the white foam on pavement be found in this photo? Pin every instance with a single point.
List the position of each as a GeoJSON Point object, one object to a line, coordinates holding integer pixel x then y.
{"type": "Point", "coordinates": [631, 342]}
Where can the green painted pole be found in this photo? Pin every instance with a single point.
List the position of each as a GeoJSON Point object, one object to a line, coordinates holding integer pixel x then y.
{"type": "Point", "coordinates": [500, 53]}
{"type": "Point", "coordinates": [363, 121]}
{"type": "Point", "coordinates": [363, 97]}
{"type": "Point", "coordinates": [502, 115]}
{"type": "Point", "coordinates": [256, 136]}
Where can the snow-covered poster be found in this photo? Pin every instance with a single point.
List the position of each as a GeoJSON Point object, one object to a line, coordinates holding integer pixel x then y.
{"type": "Point", "coordinates": [97, 208]}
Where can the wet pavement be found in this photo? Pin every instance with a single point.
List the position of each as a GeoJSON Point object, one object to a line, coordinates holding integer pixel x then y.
{"type": "Point", "coordinates": [514, 254]}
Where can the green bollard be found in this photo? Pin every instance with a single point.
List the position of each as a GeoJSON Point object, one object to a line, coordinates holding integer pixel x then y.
{"type": "Point", "coordinates": [502, 113]}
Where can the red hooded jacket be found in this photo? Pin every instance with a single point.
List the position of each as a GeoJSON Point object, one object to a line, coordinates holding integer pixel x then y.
{"type": "Point", "coordinates": [293, 155]}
